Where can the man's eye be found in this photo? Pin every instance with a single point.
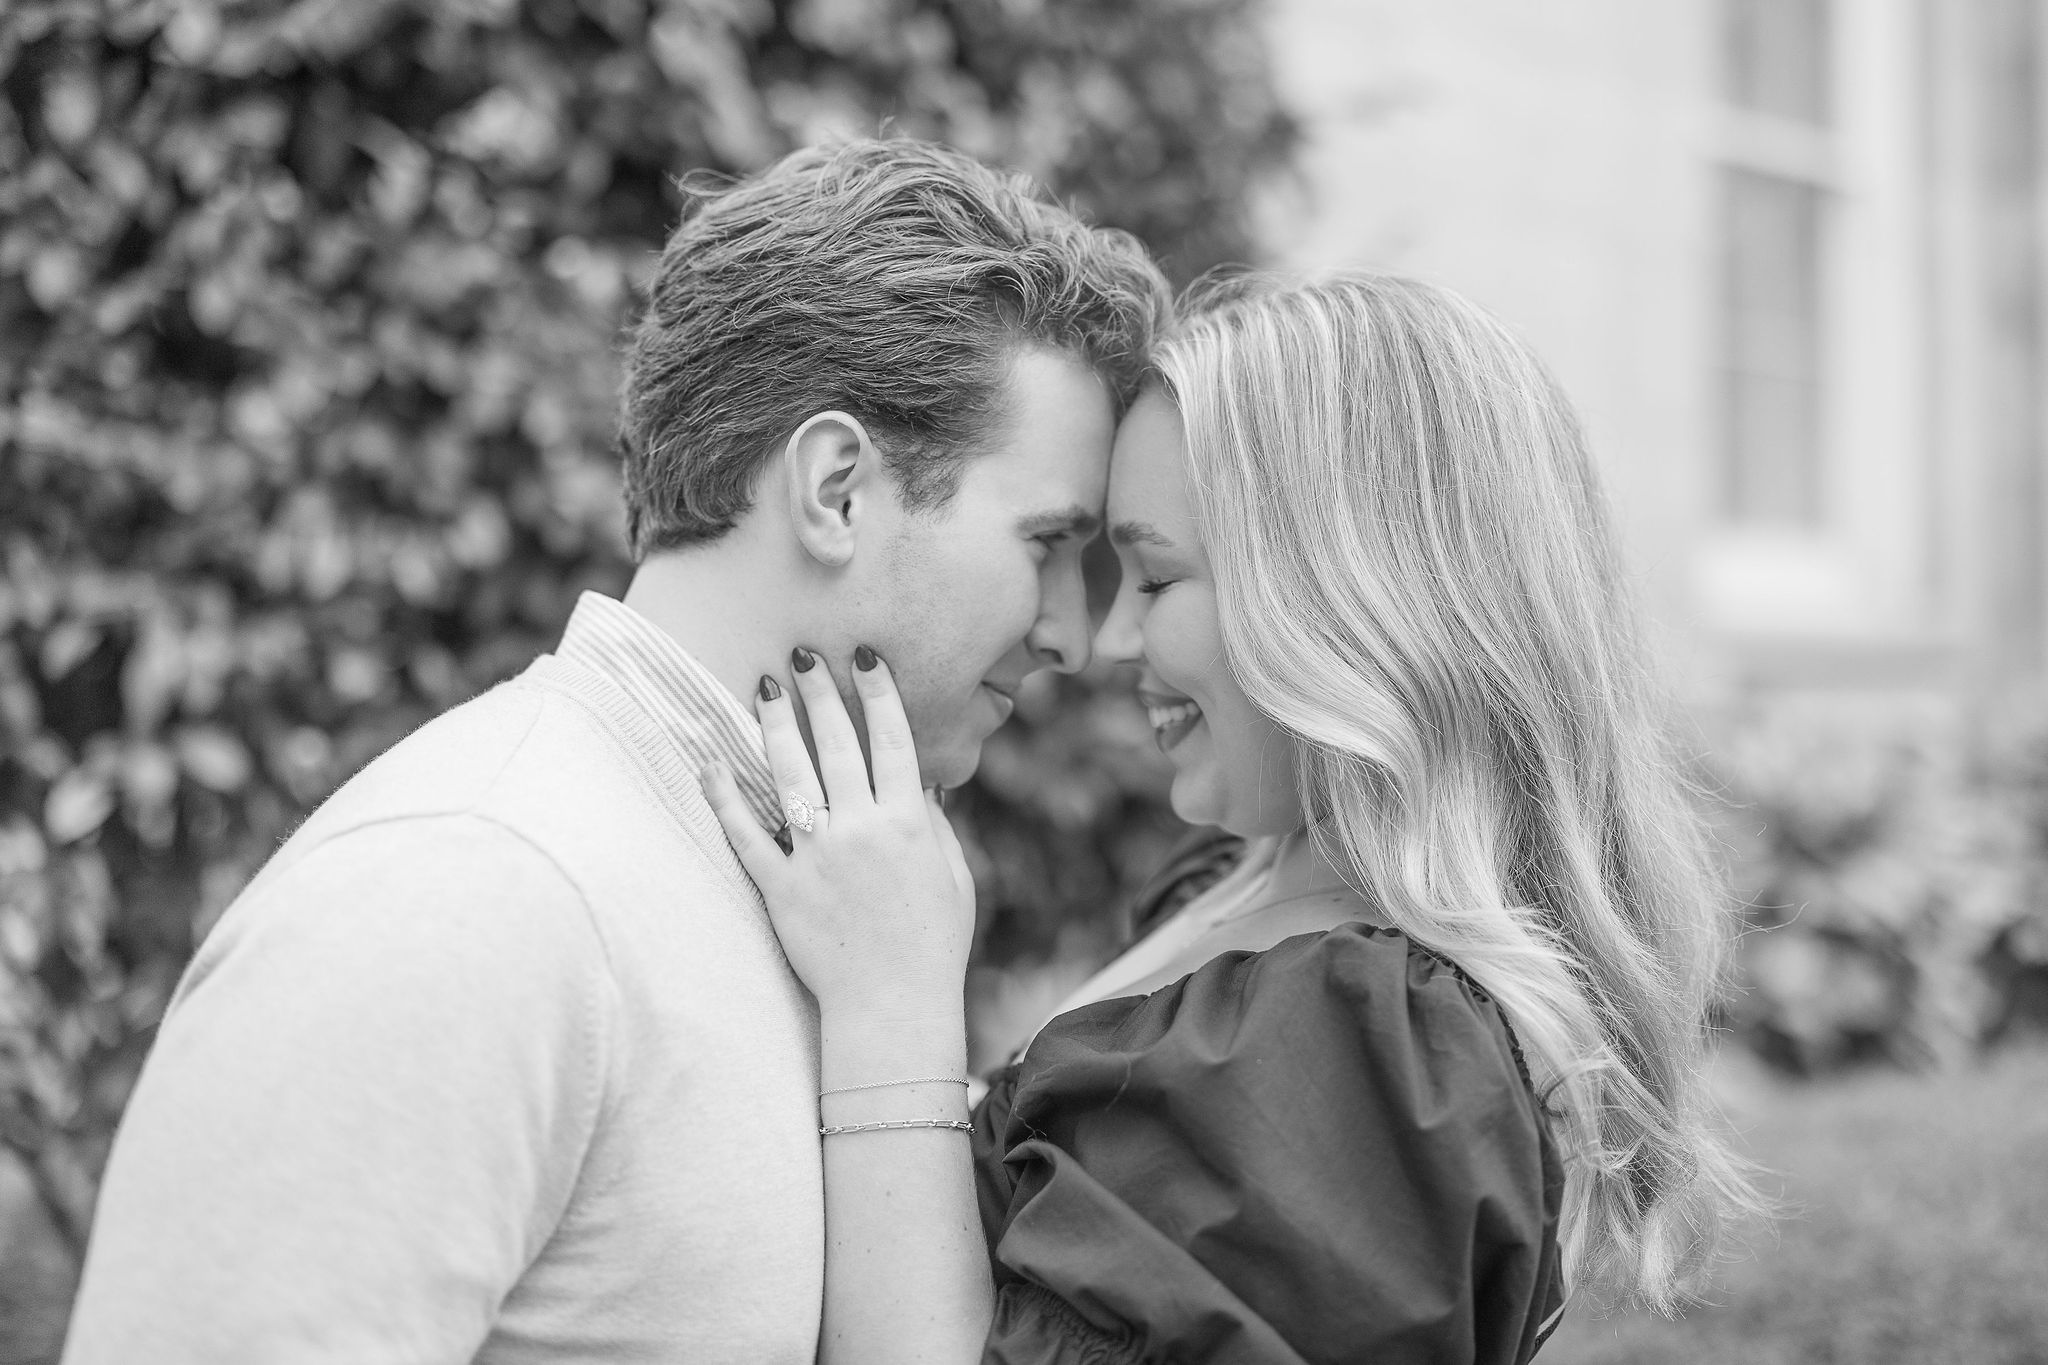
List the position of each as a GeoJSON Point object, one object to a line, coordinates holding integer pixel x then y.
{"type": "Point", "coordinates": [1052, 540]}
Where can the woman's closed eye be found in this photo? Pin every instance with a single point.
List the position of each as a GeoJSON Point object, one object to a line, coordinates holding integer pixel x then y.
{"type": "Point", "coordinates": [1153, 586]}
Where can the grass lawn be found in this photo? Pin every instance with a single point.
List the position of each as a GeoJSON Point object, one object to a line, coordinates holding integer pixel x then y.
{"type": "Point", "coordinates": [1916, 1229]}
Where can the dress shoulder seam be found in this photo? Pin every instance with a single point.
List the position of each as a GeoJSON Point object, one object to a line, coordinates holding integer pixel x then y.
{"type": "Point", "coordinates": [1484, 997]}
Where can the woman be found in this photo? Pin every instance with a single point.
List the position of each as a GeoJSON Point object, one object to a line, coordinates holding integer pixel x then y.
{"type": "Point", "coordinates": [1431, 1052]}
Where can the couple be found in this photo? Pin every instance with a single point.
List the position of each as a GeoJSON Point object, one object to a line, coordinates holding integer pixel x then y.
{"type": "Point", "coordinates": [502, 1057]}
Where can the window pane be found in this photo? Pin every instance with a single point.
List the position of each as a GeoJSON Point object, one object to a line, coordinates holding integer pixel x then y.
{"type": "Point", "coordinates": [1777, 57]}
{"type": "Point", "coordinates": [1771, 349]}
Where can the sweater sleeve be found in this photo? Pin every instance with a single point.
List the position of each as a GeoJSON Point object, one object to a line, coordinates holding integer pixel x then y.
{"type": "Point", "coordinates": [363, 1114]}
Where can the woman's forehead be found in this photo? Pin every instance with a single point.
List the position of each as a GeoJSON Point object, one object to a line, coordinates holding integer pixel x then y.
{"type": "Point", "coordinates": [1148, 469]}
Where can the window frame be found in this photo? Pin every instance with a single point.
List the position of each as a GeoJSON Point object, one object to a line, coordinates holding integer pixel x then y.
{"type": "Point", "coordinates": [1859, 569]}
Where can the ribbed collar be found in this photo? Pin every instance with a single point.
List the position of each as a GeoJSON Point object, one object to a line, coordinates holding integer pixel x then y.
{"type": "Point", "coordinates": [687, 706]}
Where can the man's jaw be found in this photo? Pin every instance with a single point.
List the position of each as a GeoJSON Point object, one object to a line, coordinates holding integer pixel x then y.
{"type": "Point", "coordinates": [953, 758]}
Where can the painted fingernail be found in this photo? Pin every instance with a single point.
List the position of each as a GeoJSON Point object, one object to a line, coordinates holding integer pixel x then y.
{"type": "Point", "coordinates": [863, 658]}
{"type": "Point", "coordinates": [770, 689]}
{"type": "Point", "coordinates": [802, 659]}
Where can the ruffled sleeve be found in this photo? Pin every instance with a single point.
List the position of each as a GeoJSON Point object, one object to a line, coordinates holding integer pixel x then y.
{"type": "Point", "coordinates": [1328, 1151]}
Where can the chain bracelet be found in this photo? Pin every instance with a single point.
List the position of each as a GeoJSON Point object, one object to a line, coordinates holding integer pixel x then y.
{"type": "Point", "coordinates": [954, 1125]}
{"type": "Point", "coordinates": [884, 1085]}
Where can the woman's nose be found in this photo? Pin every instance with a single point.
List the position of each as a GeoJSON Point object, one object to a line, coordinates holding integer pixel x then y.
{"type": "Point", "coordinates": [1119, 640]}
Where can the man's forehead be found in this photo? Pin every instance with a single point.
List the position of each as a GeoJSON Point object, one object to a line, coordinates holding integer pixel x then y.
{"type": "Point", "coordinates": [1051, 463]}
{"type": "Point", "coordinates": [1056, 392]}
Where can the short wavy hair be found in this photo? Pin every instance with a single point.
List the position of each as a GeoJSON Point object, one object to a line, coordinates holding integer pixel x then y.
{"type": "Point", "coordinates": [895, 280]}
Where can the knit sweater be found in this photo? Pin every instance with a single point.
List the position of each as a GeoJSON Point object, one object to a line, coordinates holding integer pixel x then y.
{"type": "Point", "coordinates": [497, 1059]}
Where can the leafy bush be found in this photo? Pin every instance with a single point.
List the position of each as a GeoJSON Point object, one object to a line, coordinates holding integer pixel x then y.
{"type": "Point", "coordinates": [308, 312]}
{"type": "Point", "coordinates": [1893, 868]}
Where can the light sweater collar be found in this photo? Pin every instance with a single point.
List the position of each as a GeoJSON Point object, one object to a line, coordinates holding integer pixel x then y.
{"type": "Point", "coordinates": [690, 707]}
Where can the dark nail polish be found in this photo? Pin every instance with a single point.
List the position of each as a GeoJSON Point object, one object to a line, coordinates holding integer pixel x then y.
{"type": "Point", "coordinates": [802, 659]}
{"type": "Point", "coordinates": [770, 689]}
{"type": "Point", "coordinates": [863, 658]}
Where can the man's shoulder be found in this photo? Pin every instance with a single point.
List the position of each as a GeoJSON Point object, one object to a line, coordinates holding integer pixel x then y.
{"type": "Point", "coordinates": [446, 765]}
{"type": "Point", "coordinates": [412, 793]}
{"type": "Point", "coordinates": [523, 765]}
{"type": "Point", "coordinates": [520, 743]}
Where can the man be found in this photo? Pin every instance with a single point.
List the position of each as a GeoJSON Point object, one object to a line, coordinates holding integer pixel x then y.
{"type": "Point", "coordinates": [498, 1058]}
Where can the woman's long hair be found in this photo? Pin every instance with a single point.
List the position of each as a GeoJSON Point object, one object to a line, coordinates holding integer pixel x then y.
{"type": "Point", "coordinates": [1417, 578]}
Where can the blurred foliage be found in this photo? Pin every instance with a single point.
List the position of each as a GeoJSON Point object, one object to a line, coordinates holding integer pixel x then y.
{"type": "Point", "coordinates": [308, 325]}
{"type": "Point", "coordinates": [1914, 1227]}
{"type": "Point", "coordinates": [1895, 869]}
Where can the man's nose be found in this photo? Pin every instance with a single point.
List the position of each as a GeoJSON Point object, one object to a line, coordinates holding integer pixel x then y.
{"type": "Point", "coordinates": [1059, 638]}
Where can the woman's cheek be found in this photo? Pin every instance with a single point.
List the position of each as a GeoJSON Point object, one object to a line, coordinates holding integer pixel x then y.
{"type": "Point", "coordinates": [1198, 795]}
{"type": "Point", "coordinates": [1181, 649]}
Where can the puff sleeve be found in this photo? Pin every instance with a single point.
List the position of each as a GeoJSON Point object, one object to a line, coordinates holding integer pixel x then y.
{"type": "Point", "coordinates": [1327, 1151]}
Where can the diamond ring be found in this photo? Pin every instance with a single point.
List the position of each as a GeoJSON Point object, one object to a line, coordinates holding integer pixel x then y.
{"type": "Point", "coordinates": [802, 814]}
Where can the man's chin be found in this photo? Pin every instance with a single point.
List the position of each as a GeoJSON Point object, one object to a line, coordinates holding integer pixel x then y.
{"type": "Point", "coordinates": [950, 766]}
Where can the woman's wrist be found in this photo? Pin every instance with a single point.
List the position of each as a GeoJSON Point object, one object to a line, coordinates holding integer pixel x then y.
{"type": "Point", "coordinates": [862, 1046]}
{"type": "Point", "coordinates": [929, 1102]}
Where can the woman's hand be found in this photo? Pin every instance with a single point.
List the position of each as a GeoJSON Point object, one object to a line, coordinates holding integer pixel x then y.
{"type": "Point", "coordinates": [873, 904]}
{"type": "Point", "coordinates": [875, 911]}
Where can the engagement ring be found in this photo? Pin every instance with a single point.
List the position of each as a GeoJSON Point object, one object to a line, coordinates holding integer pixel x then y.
{"type": "Point", "coordinates": [802, 814]}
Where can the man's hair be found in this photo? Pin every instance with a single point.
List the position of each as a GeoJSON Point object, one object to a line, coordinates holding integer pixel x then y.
{"type": "Point", "coordinates": [892, 280]}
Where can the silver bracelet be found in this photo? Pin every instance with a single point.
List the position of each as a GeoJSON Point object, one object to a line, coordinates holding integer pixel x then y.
{"type": "Point", "coordinates": [955, 1125]}
{"type": "Point", "coordinates": [884, 1085]}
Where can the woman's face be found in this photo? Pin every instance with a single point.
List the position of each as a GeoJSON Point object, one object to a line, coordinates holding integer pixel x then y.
{"type": "Point", "coordinates": [1233, 766]}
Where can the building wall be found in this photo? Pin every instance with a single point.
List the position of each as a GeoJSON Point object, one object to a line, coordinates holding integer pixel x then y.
{"type": "Point", "coordinates": [1566, 165]}
{"type": "Point", "coordinates": [1991, 124]}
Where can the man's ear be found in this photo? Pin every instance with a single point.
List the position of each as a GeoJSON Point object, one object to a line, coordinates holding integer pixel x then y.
{"type": "Point", "coordinates": [832, 468]}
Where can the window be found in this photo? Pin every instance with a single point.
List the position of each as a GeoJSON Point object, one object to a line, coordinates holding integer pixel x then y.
{"type": "Point", "coordinates": [1773, 195]}
{"type": "Point", "coordinates": [1822, 346]}
{"type": "Point", "coordinates": [1771, 363]}
{"type": "Point", "coordinates": [1776, 57]}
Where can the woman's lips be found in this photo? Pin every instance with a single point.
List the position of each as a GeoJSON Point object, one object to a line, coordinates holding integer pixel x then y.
{"type": "Point", "coordinates": [1172, 721]}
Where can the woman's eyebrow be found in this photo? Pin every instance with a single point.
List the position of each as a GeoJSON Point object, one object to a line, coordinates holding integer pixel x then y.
{"type": "Point", "coordinates": [1074, 521]}
{"type": "Point", "coordinates": [1138, 533]}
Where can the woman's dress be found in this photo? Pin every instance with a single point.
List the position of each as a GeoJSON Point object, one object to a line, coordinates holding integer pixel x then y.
{"type": "Point", "coordinates": [1326, 1151]}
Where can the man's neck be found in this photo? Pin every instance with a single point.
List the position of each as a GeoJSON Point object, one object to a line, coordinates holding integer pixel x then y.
{"type": "Point", "coordinates": [717, 603]}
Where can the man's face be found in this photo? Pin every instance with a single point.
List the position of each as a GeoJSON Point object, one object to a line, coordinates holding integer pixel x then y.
{"type": "Point", "coordinates": [964, 601]}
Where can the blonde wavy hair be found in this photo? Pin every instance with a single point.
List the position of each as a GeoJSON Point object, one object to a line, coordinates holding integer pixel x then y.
{"type": "Point", "coordinates": [1418, 580]}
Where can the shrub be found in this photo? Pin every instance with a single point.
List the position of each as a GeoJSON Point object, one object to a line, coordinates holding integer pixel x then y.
{"type": "Point", "coordinates": [1892, 866]}
{"type": "Point", "coordinates": [308, 312]}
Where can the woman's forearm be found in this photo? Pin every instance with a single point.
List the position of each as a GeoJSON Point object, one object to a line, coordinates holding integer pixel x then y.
{"type": "Point", "coordinates": [906, 1268]}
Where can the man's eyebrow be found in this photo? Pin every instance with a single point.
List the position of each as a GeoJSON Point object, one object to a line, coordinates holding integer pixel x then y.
{"type": "Point", "coordinates": [1076, 521]}
{"type": "Point", "coordinates": [1138, 533]}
